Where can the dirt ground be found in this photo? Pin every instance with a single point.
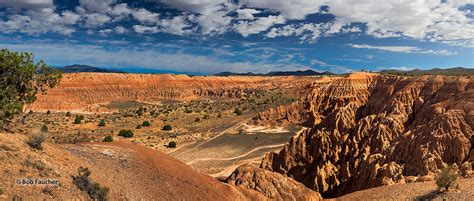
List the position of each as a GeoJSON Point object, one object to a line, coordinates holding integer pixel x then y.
{"type": "Point", "coordinates": [414, 191]}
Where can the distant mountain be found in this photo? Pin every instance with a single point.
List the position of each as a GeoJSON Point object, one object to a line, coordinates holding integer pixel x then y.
{"type": "Point", "coordinates": [435, 71]}
{"type": "Point", "coordinates": [76, 68]}
{"type": "Point", "coordinates": [277, 73]}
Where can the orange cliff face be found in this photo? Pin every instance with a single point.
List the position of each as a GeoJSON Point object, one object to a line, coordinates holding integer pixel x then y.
{"type": "Point", "coordinates": [86, 91]}
{"type": "Point", "coordinates": [368, 130]}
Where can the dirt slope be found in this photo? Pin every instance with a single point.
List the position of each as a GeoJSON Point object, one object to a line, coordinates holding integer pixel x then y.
{"type": "Point", "coordinates": [414, 191]}
{"type": "Point", "coordinates": [130, 171]}
{"type": "Point", "coordinates": [87, 91]}
{"type": "Point", "coordinates": [368, 130]}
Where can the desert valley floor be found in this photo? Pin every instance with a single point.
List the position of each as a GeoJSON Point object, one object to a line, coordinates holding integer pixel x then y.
{"type": "Point", "coordinates": [351, 137]}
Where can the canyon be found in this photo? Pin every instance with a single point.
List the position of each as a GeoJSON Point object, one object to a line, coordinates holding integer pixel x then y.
{"type": "Point", "coordinates": [348, 133]}
{"type": "Point", "coordinates": [368, 130]}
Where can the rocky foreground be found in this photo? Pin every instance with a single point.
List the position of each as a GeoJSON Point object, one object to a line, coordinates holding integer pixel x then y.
{"type": "Point", "coordinates": [368, 130]}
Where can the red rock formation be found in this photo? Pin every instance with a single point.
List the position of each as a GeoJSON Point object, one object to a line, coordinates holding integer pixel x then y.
{"type": "Point", "coordinates": [370, 130]}
{"type": "Point", "coordinates": [272, 185]}
{"type": "Point", "coordinates": [85, 91]}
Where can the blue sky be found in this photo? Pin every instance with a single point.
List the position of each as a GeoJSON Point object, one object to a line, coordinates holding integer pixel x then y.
{"type": "Point", "coordinates": [209, 36]}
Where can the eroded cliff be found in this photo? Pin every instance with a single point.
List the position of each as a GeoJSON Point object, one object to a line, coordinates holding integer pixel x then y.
{"type": "Point", "coordinates": [368, 130]}
{"type": "Point", "coordinates": [87, 91]}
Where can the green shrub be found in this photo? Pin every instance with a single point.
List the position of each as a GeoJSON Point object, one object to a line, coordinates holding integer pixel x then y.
{"type": "Point", "coordinates": [446, 178]}
{"type": "Point", "coordinates": [167, 127]}
{"type": "Point", "coordinates": [172, 144]}
{"type": "Point", "coordinates": [21, 80]}
{"type": "Point", "coordinates": [93, 189]}
{"type": "Point", "coordinates": [36, 141]}
{"type": "Point", "coordinates": [126, 133]}
{"type": "Point", "coordinates": [44, 129]}
{"type": "Point", "coordinates": [138, 127]}
{"type": "Point", "coordinates": [68, 114]}
{"type": "Point", "coordinates": [238, 111]}
{"type": "Point", "coordinates": [108, 139]}
{"type": "Point", "coordinates": [102, 123]}
{"type": "Point", "coordinates": [146, 123]}
{"type": "Point", "coordinates": [78, 119]}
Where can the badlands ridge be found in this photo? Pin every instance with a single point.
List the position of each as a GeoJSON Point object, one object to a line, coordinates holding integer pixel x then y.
{"type": "Point", "coordinates": [362, 131]}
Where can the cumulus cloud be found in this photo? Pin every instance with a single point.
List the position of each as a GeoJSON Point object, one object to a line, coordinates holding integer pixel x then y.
{"type": "Point", "coordinates": [27, 4]}
{"type": "Point", "coordinates": [261, 24]}
{"type": "Point", "coordinates": [96, 5]}
{"type": "Point", "coordinates": [432, 20]}
{"type": "Point", "coordinates": [120, 30]}
{"type": "Point", "coordinates": [95, 20]}
{"type": "Point", "coordinates": [247, 13]}
{"type": "Point", "coordinates": [404, 49]}
{"type": "Point", "coordinates": [444, 21]}
{"type": "Point", "coordinates": [307, 31]}
{"type": "Point", "coordinates": [40, 21]}
{"type": "Point", "coordinates": [290, 9]}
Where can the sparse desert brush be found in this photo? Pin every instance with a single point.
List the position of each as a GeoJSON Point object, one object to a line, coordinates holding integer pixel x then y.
{"type": "Point", "coordinates": [172, 144]}
{"type": "Point", "coordinates": [108, 139]}
{"type": "Point", "coordinates": [84, 183]}
{"type": "Point", "coordinates": [78, 119]}
{"type": "Point", "coordinates": [138, 127]}
{"type": "Point", "coordinates": [126, 133]}
{"type": "Point", "coordinates": [446, 178]}
{"type": "Point", "coordinates": [146, 123]}
{"type": "Point", "coordinates": [68, 114]}
{"type": "Point", "coordinates": [36, 141]}
{"type": "Point", "coordinates": [167, 127]}
{"type": "Point", "coordinates": [48, 112]}
{"type": "Point", "coordinates": [102, 123]}
{"type": "Point", "coordinates": [238, 111]}
{"type": "Point", "coordinates": [44, 129]}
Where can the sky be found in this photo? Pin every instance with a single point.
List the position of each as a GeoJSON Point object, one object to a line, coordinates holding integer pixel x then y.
{"type": "Point", "coordinates": [210, 36]}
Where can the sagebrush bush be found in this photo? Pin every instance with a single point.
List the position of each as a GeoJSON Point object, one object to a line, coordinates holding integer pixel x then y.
{"type": "Point", "coordinates": [84, 183]}
{"type": "Point", "coordinates": [102, 123]}
{"type": "Point", "coordinates": [146, 123]}
{"type": "Point", "coordinates": [78, 119]}
{"type": "Point", "coordinates": [172, 144]}
{"type": "Point", "coordinates": [44, 129]}
{"type": "Point", "coordinates": [126, 133]}
{"type": "Point", "coordinates": [167, 127]}
{"type": "Point", "coordinates": [108, 139]}
{"type": "Point", "coordinates": [36, 141]}
{"type": "Point", "coordinates": [238, 111]}
{"type": "Point", "coordinates": [446, 178]}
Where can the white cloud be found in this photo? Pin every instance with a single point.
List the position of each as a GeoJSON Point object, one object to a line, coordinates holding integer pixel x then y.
{"type": "Point", "coordinates": [309, 32]}
{"type": "Point", "coordinates": [177, 25]}
{"type": "Point", "coordinates": [105, 32]}
{"type": "Point", "coordinates": [96, 5]}
{"type": "Point", "coordinates": [120, 30]}
{"type": "Point", "coordinates": [28, 4]}
{"type": "Point", "coordinates": [145, 29]}
{"type": "Point", "coordinates": [399, 68]}
{"type": "Point", "coordinates": [148, 58]}
{"type": "Point", "coordinates": [146, 17]}
{"type": "Point", "coordinates": [419, 19]}
{"type": "Point", "coordinates": [247, 13]}
{"type": "Point", "coordinates": [95, 20]}
{"type": "Point", "coordinates": [404, 49]}
{"type": "Point", "coordinates": [290, 9]}
{"type": "Point", "coordinates": [261, 24]}
{"type": "Point", "coordinates": [40, 21]}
